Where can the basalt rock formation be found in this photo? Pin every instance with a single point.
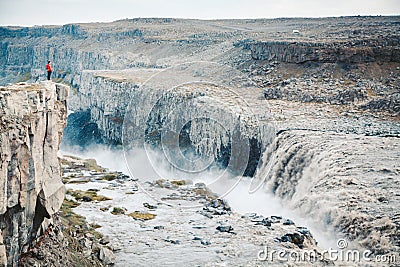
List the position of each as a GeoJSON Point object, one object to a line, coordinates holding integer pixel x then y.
{"type": "Point", "coordinates": [32, 121]}
{"type": "Point", "coordinates": [299, 52]}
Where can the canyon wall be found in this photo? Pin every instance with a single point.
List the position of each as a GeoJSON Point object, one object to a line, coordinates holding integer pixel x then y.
{"type": "Point", "coordinates": [32, 121]}
{"type": "Point", "coordinates": [160, 43]}
{"type": "Point", "coordinates": [24, 51]}
{"type": "Point", "coordinates": [126, 113]}
{"type": "Point", "coordinates": [105, 100]}
{"type": "Point", "coordinates": [362, 51]}
{"type": "Point", "coordinates": [143, 43]}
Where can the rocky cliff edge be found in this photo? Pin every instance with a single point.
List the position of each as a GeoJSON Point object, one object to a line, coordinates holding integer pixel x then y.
{"type": "Point", "coordinates": [32, 119]}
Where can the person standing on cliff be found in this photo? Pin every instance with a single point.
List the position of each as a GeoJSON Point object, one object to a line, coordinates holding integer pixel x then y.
{"type": "Point", "coordinates": [49, 70]}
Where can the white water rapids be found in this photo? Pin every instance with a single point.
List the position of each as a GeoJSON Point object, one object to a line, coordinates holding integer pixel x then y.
{"type": "Point", "coordinates": [239, 198]}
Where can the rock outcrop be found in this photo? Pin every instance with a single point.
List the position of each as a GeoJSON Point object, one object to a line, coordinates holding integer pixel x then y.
{"type": "Point", "coordinates": [300, 52]}
{"type": "Point", "coordinates": [32, 120]}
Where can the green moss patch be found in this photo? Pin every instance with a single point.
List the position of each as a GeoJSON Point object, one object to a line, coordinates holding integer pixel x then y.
{"type": "Point", "coordinates": [87, 196]}
{"type": "Point", "coordinates": [69, 204]}
{"type": "Point", "coordinates": [137, 215]}
{"type": "Point", "coordinates": [76, 180]}
{"type": "Point", "coordinates": [95, 225]}
{"type": "Point", "coordinates": [118, 211]}
{"type": "Point", "coordinates": [91, 164]}
{"type": "Point", "coordinates": [110, 177]}
{"type": "Point", "coordinates": [178, 182]}
{"type": "Point", "coordinates": [163, 183]}
{"type": "Point", "coordinates": [160, 182]}
{"type": "Point", "coordinates": [205, 192]}
{"type": "Point", "coordinates": [75, 221]}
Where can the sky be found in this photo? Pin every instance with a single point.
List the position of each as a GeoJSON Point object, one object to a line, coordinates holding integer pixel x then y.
{"type": "Point", "coordinates": [50, 12]}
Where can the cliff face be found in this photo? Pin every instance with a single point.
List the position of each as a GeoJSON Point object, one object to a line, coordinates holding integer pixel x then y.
{"type": "Point", "coordinates": [121, 44]}
{"type": "Point", "coordinates": [111, 98]}
{"type": "Point", "coordinates": [32, 120]}
{"type": "Point", "coordinates": [102, 101]}
{"type": "Point", "coordinates": [23, 59]}
{"type": "Point", "coordinates": [300, 52]}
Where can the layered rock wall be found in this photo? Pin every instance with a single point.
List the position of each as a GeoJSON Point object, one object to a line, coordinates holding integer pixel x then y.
{"type": "Point", "coordinates": [299, 52]}
{"type": "Point", "coordinates": [147, 112]}
{"type": "Point", "coordinates": [105, 100]}
{"type": "Point", "coordinates": [32, 120]}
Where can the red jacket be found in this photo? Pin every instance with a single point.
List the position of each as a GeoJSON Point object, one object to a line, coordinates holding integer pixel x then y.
{"type": "Point", "coordinates": [48, 67]}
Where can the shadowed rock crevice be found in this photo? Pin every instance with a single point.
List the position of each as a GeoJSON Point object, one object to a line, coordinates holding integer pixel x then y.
{"type": "Point", "coordinates": [81, 131]}
{"type": "Point", "coordinates": [40, 214]}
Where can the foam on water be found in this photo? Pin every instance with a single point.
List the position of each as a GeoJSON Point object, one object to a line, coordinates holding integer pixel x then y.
{"type": "Point", "coordinates": [235, 189]}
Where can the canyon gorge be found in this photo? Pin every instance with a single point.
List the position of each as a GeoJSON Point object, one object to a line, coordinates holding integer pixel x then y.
{"type": "Point", "coordinates": [303, 110]}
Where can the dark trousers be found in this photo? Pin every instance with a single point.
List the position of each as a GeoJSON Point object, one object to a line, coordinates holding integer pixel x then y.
{"type": "Point", "coordinates": [48, 75]}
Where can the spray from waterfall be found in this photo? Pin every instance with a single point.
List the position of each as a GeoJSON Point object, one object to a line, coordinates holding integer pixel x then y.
{"type": "Point", "coordinates": [239, 198]}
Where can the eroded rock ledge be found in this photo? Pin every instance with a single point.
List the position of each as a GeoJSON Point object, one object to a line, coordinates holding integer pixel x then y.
{"type": "Point", "coordinates": [32, 119]}
{"type": "Point", "coordinates": [352, 52]}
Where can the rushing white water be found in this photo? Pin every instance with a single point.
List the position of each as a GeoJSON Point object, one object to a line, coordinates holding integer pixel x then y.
{"type": "Point", "coordinates": [234, 189]}
{"type": "Point", "coordinates": [266, 204]}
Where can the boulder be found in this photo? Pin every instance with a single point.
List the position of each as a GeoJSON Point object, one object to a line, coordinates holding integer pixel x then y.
{"type": "Point", "coordinates": [106, 256]}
